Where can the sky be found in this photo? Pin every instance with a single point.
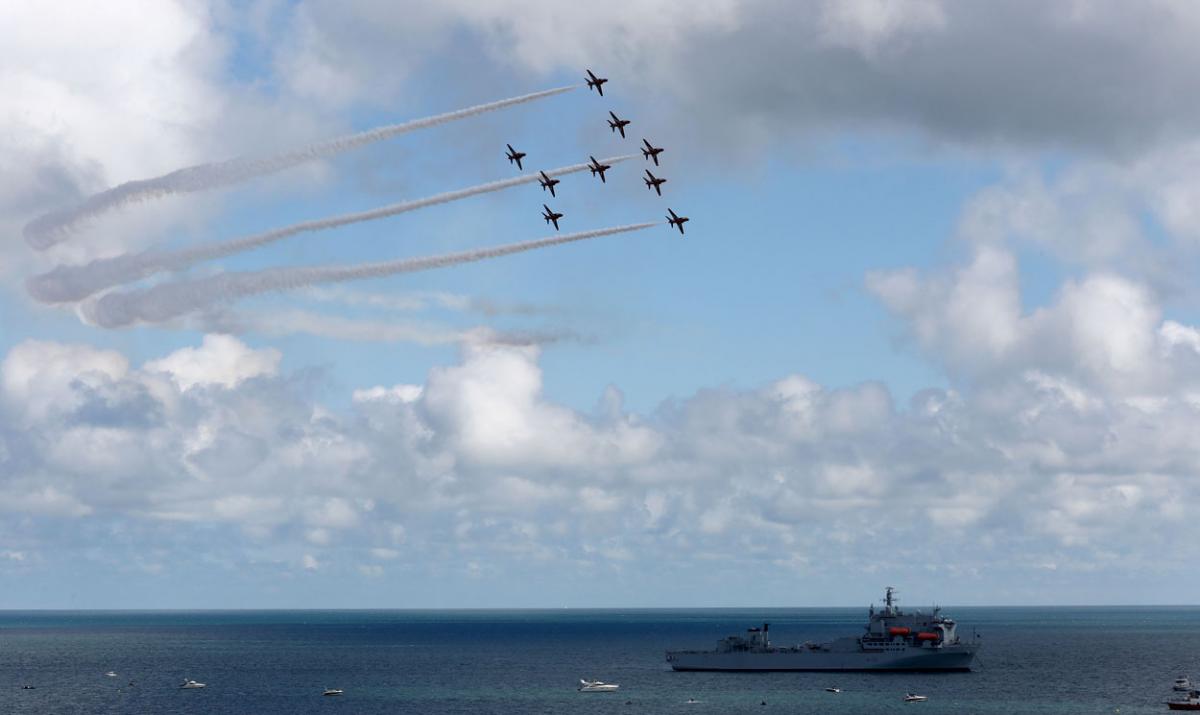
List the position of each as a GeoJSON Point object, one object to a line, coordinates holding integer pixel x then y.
{"type": "Point", "coordinates": [932, 324]}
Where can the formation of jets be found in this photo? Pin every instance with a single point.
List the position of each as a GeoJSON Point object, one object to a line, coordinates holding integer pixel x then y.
{"type": "Point", "coordinates": [616, 124]}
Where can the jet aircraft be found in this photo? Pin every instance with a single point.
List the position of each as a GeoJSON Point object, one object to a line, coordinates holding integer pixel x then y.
{"type": "Point", "coordinates": [594, 82]}
{"type": "Point", "coordinates": [651, 151]}
{"type": "Point", "coordinates": [598, 168]}
{"type": "Point", "coordinates": [547, 182]}
{"type": "Point", "coordinates": [654, 182]}
{"type": "Point", "coordinates": [552, 217]}
{"type": "Point", "coordinates": [514, 155]}
{"type": "Point", "coordinates": [617, 124]}
{"type": "Point", "coordinates": [677, 221]}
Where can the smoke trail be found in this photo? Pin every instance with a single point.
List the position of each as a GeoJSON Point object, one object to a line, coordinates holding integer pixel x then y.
{"type": "Point", "coordinates": [170, 300]}
{"type": "Point", "coordinates": [55, 227]}
{"type": "Point", "coordinates": [71, 283]}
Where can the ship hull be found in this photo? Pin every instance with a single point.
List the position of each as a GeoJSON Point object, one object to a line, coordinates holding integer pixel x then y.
{"type": "Point", "coordinates": [944, 660]}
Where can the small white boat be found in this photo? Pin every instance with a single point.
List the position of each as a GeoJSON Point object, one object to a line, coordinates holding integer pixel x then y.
{"type": "Point", "coordinates": [111, 673]}
{"type": "Point", "coordinates": [1182, 684]}
{"type": "Point", "coordinates": [332, 691]}
{"type": "Point", "coordinates": [914, 698]}
{"type": "Point", "coordinates": [833, 690]}
{"type": "Point", "coordinates": [191, 685]}
{"type": "Point", "coordinates": [596, 686]}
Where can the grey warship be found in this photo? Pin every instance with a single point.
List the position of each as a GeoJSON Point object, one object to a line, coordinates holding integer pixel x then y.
{"type": "Point", "coordinates": [894, 640]}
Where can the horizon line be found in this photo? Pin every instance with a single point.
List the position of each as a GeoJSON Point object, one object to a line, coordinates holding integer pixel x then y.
{"type": "Point", "coordinates": [4, 610]}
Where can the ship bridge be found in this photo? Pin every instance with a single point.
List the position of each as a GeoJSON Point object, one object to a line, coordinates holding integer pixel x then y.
{"type": "Point", "coordinates": [917, 628]}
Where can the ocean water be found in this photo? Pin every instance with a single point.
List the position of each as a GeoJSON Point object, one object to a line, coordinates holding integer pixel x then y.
{"type": "Point", "coordinates": [1034, 660]}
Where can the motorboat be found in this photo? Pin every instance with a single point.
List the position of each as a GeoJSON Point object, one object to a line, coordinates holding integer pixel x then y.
{"type": "Point", "coordinates": [833, 690]}
{"type": "Point", "coordinates": [1182, 684]}
{"type": "Point", "coordinates": [1191, 702]}
{"type": "Point", "coordinates": [113, 674]}
{"type": "Point", "coordinates": [332, 691]}
{"type": "Point", "coordinates": [191, 685]}
{"type": "Point", "coordinates": [914, 698]}
{"type": "Point", "coordinates": [596, 686]}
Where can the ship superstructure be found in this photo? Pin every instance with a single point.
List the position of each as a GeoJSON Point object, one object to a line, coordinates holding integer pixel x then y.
{"type": "Point", "coordinates": [893, 640]}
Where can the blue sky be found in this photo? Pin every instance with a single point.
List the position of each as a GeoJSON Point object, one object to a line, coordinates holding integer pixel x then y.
{"type": "Point", "coordinates": [934, 303]}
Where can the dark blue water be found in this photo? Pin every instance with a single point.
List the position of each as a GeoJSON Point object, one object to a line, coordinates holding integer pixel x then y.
{"type": "Point", "coordinates": [1034, 660]}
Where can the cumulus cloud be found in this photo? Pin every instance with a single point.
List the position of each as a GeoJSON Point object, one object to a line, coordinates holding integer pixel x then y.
{"type": "Point", "coordinates": [220, 360]}
{"type": "Point", "coordinates": [492, 410]}
{"type": "Point", "coordinates": [58, 93]}
{"type": "Point", "coordinates": [47, 378]}
{"type": "Point", "coordinates": [478, 466]}
{"type": "Point", "coordinates": [104, 95]}
{"type": "Point", "coordinates": [1104, 330]}
{"type": "Point", "coordinates": [71, 125]}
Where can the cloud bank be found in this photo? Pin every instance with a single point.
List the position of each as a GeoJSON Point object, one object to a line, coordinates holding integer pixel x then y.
{"type": "Point", "coordinates": [1043, 477]}
{"type": "Point", "coordinates": [1100, 77]}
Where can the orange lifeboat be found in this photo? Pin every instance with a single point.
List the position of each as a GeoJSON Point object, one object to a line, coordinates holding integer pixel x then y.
{"type": "Point", "coordinates": [928, 636]}
{"type": "Point", "coordinates": [898, 631]}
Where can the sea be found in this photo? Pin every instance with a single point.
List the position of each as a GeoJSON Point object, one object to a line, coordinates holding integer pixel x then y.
{"type": "Point", "coordinates": [1033, 660]}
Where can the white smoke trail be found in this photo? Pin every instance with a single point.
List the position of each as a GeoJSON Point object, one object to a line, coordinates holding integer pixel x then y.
{"type": "Point", "coordinates": [170, 300]}
{"type": "Point", "coordinates": [72, 283]}
{"type": "Point", "coordinates": [56, 226]}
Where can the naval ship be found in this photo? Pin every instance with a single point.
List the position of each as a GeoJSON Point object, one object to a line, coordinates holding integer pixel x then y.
{"type": "Point", "coordinates": [894, 640]}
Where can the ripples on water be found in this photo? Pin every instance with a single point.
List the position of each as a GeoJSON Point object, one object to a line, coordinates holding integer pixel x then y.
{"type": "Point", "coordinates": [1034, 660]}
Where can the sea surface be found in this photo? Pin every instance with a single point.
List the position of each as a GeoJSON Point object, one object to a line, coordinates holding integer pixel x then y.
{"type": "Point", "coordinates": [1033, 660]}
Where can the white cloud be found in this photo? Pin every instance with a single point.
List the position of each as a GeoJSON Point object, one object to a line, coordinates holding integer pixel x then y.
{"type": "Point", "coordinates": [41, 378]}
{"type": "Point", "coordinates": [396, 393]}
{"type": "Point", "coordinates": [98, 96]}
{"type": "Point", "coordinates": [44, 501]}
{"type": "Point", "coordinates": [869, 25]}
{"type": "Point", "coordinates": [58, 91]}
{"type": "Point", "coordinates": [333, 512]}
{"type": "Point", "coordinates": [492, 408]}
{"type": "Point", "coordinates": [319, 537]}
{"type": "Point", "coordinates": [221, 360]}
{"type": "Point", "coordinates": [101, 95]}
{"type": "Point", "coordinates": [1104, 329]}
